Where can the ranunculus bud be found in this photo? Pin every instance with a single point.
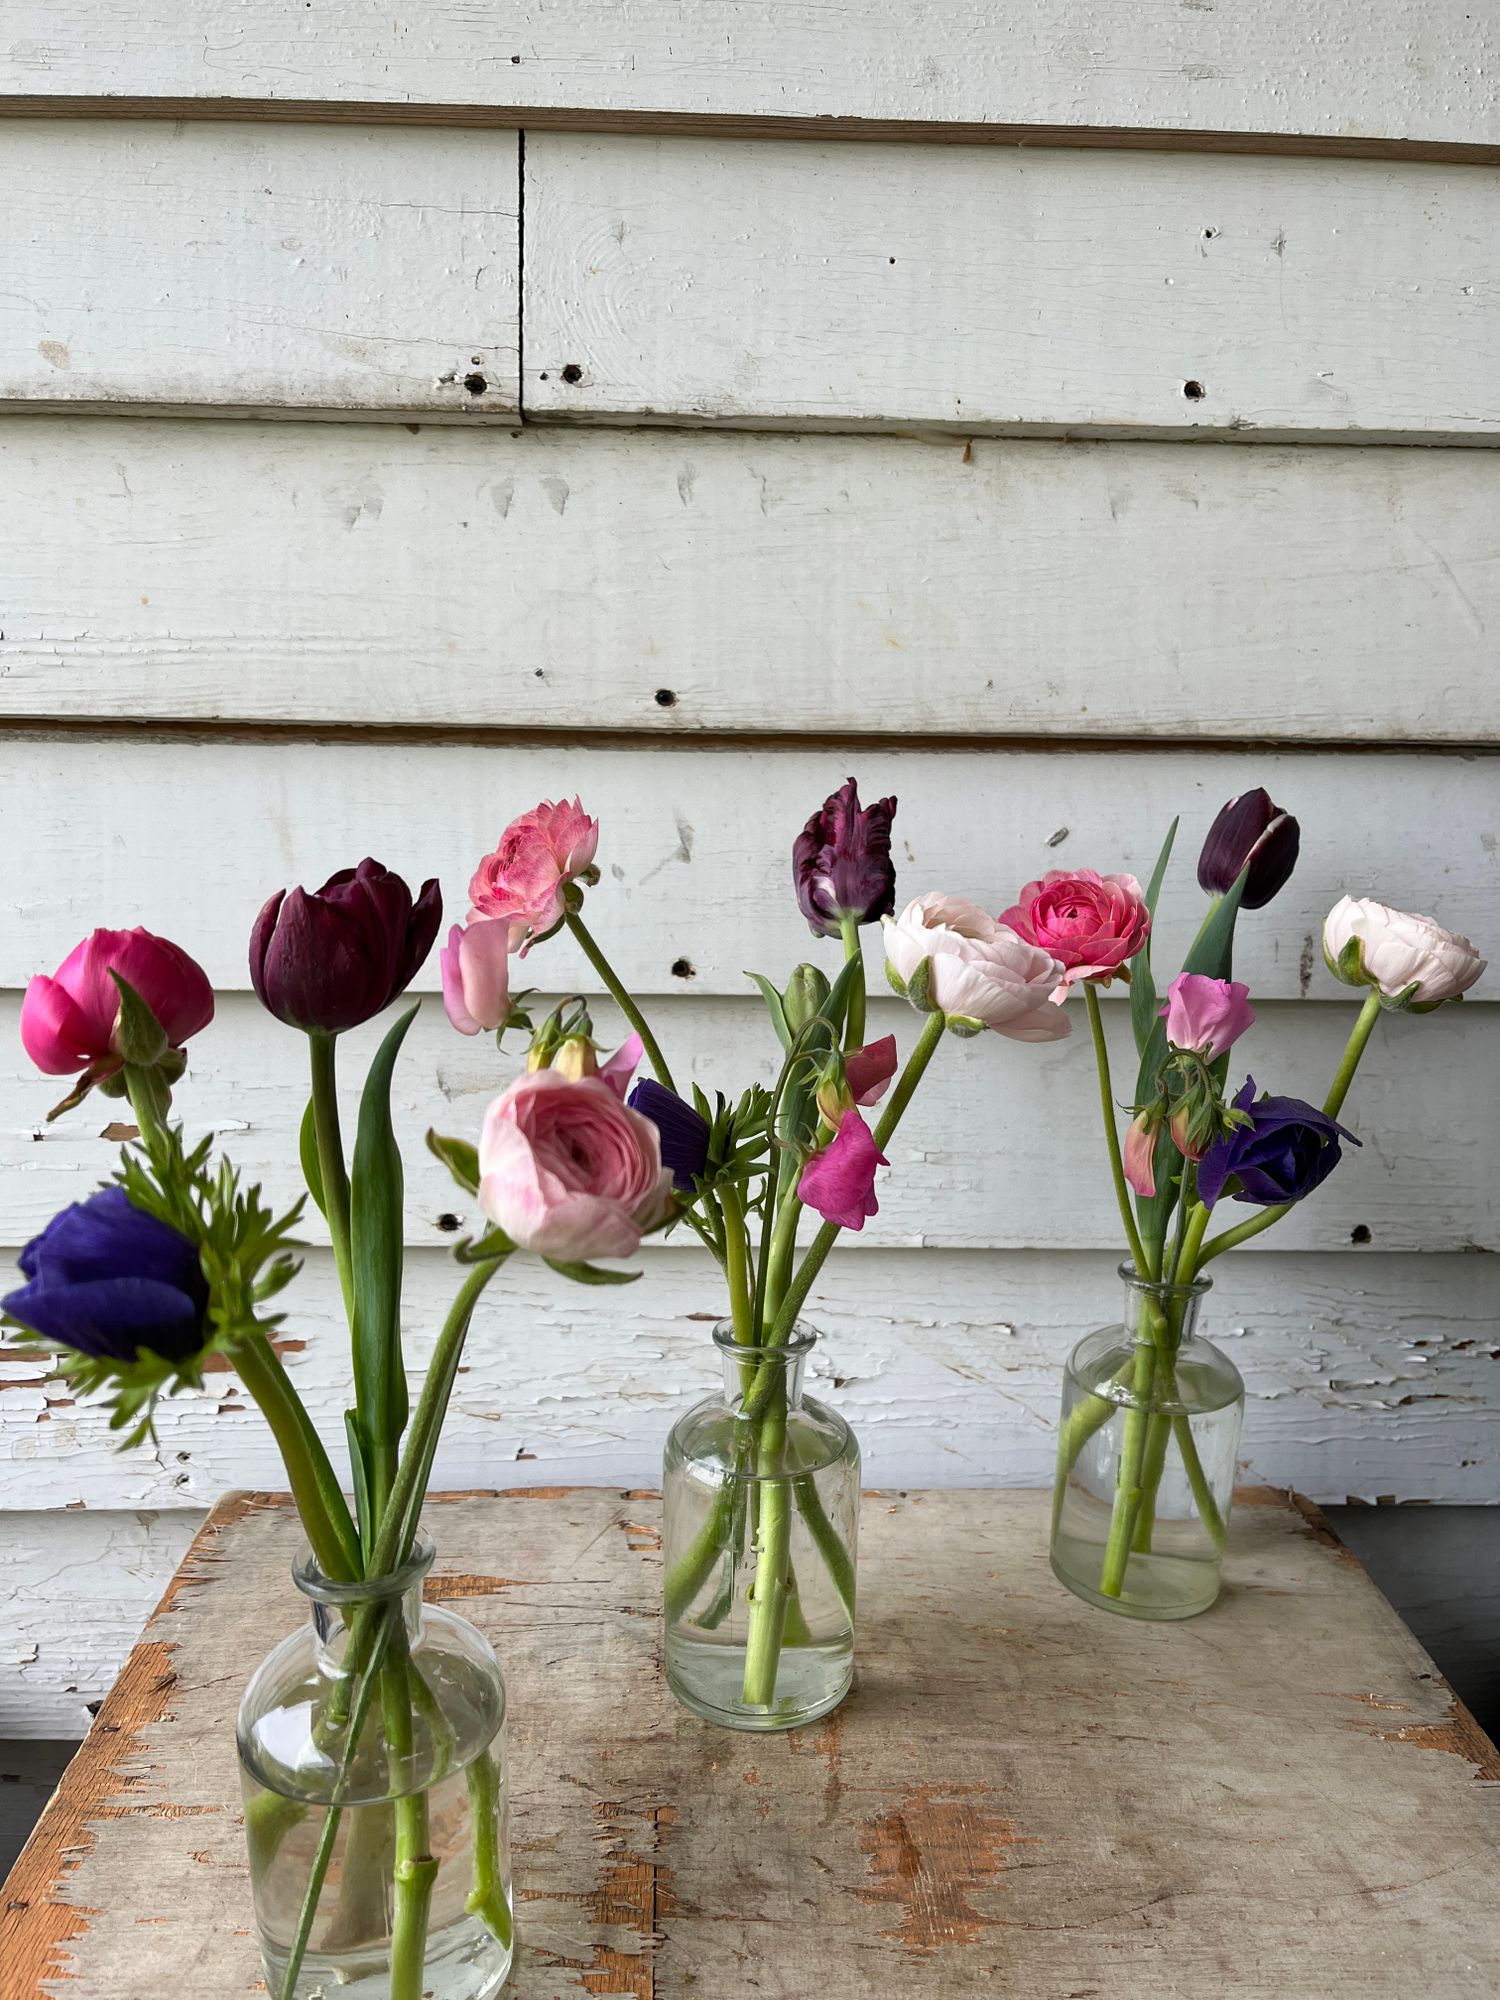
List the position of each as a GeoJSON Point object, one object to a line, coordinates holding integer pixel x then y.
{"type": "Point", "coordinates": [684, 1131]}
{"type": "Point", "coordinates": [106, 1279]}
{"type": "Point", "coordinates": [1410, 960]}
{"type": "Point", "coordinates": [330, 960]}
{"type": "Point", "coordinates": [1284, 1151]}
{"type": "Point", "coordinates": [1250, 832]}
{"type": "Point", "coordinates": [1207, 1016]}
{"type": "Point", "coordinates": [841, 862]}
{"type": "Point", "coordinates": [475, 964]}
{"type": "Point", "coordinates": [72, 1021]}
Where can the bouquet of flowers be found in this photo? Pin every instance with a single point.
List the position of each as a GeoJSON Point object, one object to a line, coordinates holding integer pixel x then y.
{"type": "Point", "coordinates": [1149, 1408]}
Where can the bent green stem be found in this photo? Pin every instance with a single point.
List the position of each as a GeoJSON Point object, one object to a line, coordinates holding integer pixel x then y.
{"type": "Point", "coordinates": [315, 1487]}
{"type": "Point", "coordinates": [1111, 1130]}
{"type": "Point", "coordinates": [322, 1050]}
{"type": "Point", "coordinates": [854, 1013]}
{"type": "Point", "coordinates": [621, 998]}
{"type": "Point", "coordinates": [487, 1900]}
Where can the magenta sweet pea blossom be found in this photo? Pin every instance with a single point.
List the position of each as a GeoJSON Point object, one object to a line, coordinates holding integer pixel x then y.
{"type": "Point", "coordinates": [839, 1182]}
{"type": "Point", "coordinates": [1090, 923]}
{"type": "Point", "coordinates": [1206, 1015]}
{"type": "Point", "coordinates": [524, 880]}
{"type": "Point", "coordinates": [69, 1022]}
{"type": "Point", "coordinates": [868, 1071]}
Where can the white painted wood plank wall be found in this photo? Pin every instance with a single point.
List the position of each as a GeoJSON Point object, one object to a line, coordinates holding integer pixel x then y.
{"type": "Point", "coordinates": [272, 645]}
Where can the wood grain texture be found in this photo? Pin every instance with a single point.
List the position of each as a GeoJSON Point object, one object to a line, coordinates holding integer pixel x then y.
{"type": "Point", "coordinates": [998, 1131]}
{"type": "Point", "coordinates": [1337, 78]}
{"type": "Point", "coordinates": [1050, 1802]}
{"type": "Point", "coordinates": [697, 281]}
{"type": "Point", "coordinates": [767, 584]}
{"type": "Point", "coordinates": [269, 268]}
{"type": "Point", "coordinates": [696, 843]}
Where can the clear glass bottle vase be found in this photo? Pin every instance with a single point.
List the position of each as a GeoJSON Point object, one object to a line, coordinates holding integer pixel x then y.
{"type": "Point", "coordinates": [386, 1717]}
{"type": "Point", "coordinates": [761, 1504]}
{"type": "Point", "coordinates": [1150, 1425]}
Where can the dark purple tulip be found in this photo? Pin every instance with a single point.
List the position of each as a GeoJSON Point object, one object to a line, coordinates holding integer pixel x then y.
{"type": "Point", "coordinates": [684, 1132]}
{"type": "Point", "coordinates": [841, 862]}
{"type": "Point", "coordinates": [331, 960]}
{"type": "Point", "coordinates": [106, 1278]}
{"type": "Point", "coordinates": [1288, 1149]}
{"type": "Point", "coordinates": [1250, 831]}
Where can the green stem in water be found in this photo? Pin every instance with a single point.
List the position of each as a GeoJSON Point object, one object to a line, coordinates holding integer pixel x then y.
{"type": "Point", "coordinates": [1111, 1130]}
{"type": "Point", "coordinates": [854, 1013]}
{"type": "Point", "coordinates": [621, 998]}
{"type": "Point", "coordinates": [416, 1868]}
{"type": "Point", "coordinates": [315, 1487]}
{"type": "Point", "coordinates": [322, 1049]}
{"type": "Point", "coordinates": [773, 1555]}
{"type": "Point", "coordinates": [487, 1900]}
{"type": "Point", "coordinates": [826, 1539]}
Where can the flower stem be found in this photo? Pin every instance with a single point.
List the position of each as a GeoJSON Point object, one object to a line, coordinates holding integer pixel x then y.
{"type": "Point", "coordinates": [416, 1869]}
{"type": "Point", "coordinates": [854, 1016]}
{"type": "Point", "coordinates": [621, 998]}
{"type": "Point", "coordinates": [768, 1598]}
{"type": "Point", "coordinates": [737, 1263]}
{"type": "Point", "coordinates": [315, 1487]}
{"type": "Point", "coordinates": [322, 1049]}
{"type": "Point", "coordinates": [487, 1900]}
{"type": "Point", "coordinates": [1111, 1131]}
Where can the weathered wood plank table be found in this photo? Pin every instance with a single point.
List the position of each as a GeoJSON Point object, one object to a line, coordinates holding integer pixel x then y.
{"type": "Point", "coordinates": [1278, 1801]}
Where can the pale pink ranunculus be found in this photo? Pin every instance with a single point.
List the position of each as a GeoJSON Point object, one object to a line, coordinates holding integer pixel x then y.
{"type": "Point", "coordinates": [1206, 1015]}
{"type": "Point", "coordinates": [1090, 923]}
{"type": "Point", "coordinates": [839, 1182]}
{"type": "Point", "coordinates": [69, 1021]}
{"type": "Point", "coordinates": [1140, 1149]}
{"type": "Point", "coordinates": [1398, 950]}
{"type": "Point", "coordinates": [475, 964]}
{"type": "Point", "coordinates": [980, 970]}
{"type": "Point", "coordinates": [524, 879]}
{"type": "Point", "coordinates": [868, 1071]}
{"type": "Point", "coordinates": [567, 1170]}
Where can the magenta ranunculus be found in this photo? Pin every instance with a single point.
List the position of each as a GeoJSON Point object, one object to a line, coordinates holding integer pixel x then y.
{"type": "Point", "coordinates": [839, 1182]}
{"type": "Point", "coordinates": [1091, 923]}
{"type": "Point", "coordinates": [538, 856]}
{"type": "Point", "coordinates": [567, 1170]}
{"type": "Point", "coordinates": [1206, 1015]}
{"type": "Point", "coordinates": [841, 862]}
{"type": "Point", "coordinates": [978, 969]}
{"type": "Point", "coordinates": [475, 964]}
{"type": "Point", "coordinates": [69, 1022]}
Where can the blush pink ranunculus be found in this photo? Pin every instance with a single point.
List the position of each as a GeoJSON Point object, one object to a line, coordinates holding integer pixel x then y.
{"type": "Point", "coordinates": [1366, 943]}
{"type": "Point", "coordinates": [1090, 923]}
{"type": "Point", "coordinates": [1140, 1151]}
{"type": "Point", "coordinates": [979, 970]}
{"type": "Point", "coordinates": [475, 964]}
{"type": "Point", "coordinates": [538, 856]}
{"type": "Point", "coordinates": [1206, 1015]}
{"type": "Point", "coordinates": [868, 1071]}
{"type": "Point", "coordinates": [839, 1182]}
{"type": "Point", "coordinates": [567, 1170]}
{"type": "Point", "coordinates": [69, 1021]}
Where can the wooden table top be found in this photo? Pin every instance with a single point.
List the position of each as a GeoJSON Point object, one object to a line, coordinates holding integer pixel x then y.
{"type": "Point", "coordinates": [1280, 1800]}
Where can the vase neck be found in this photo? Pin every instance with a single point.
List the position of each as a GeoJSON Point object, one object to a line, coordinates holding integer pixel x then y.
{"type": "Point", "coordinates": [760, 1374]}
{"type": "Point", "coordinates": [1156, 1313]}
{"type": "Point", "coordinates": [334, 1606]}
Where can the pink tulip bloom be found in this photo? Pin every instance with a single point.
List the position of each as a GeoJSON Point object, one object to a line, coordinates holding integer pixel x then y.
{"type": "Point", "coordinates": [1140, 1145]}
{"type": "Point", "coordinates": [567, 1170]}
{"type": "Point", "coordinates": [538, 856]}
{"type": "Point", "coordinates": [868, 1071]}
{"type": "Point", "coordinates": [1206, 1015]}
{"type": "Point", "coordinates": [475, 964]}
{"type": "Point", "coordinates": [978, 969]}
{"type": "Point", "coordinates": [69, 1022]}
{"type": "Point", "coordinates": [839, 1182]}
{"type": "Point", "coordinates": [1090, 923]}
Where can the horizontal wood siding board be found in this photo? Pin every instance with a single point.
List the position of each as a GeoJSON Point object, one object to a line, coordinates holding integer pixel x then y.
{"type": "Point", "coordinates": [696, 844]}
{"type": "Point", "coordinates": [639, 580]}
{"type": "Point", "coordinates": [982, 290]}
{"type": "Point", "coordinates": [1001, 1148]}
{"type": "Point", "coordinates": [1336, 76]}
{"type": "Point", "coordinates": [270, 268]}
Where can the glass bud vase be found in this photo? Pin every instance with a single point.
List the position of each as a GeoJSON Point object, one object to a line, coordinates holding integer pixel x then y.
{"type": "Point", "coordinates": [372, 1762]}
{"type": "Point", "coordinates": [1146, 1458]}
{"type": "Point", "coordinates": [761, 1503]}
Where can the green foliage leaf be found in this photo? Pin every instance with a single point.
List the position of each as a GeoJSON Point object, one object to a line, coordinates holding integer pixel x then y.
{"type": "Point", "coordinates": [1143, 995]}
{"type": "Point", "coordinates": [459, 1157]}
{"type": "Point", "coordinates": [307, 1148]}
{"type": "Point", "coordinates": [376, 1187]}
{"type": "Point", "coordinates": [589, 1274]}
{"type": "Point", "coordinates": [359, 1472]}
{"type": "Point", "coordinates": [774, 1008]}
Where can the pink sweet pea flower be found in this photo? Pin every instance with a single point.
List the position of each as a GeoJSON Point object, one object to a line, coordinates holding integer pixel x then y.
{"type": "Point", "coordinates": [1206, 1015]}
{"type": "Point", "coordinates": [1090, 923]}
{"type": "Point", "coordinates": [475, 964]}
{"type": "Point", "coordinates": [868, 1071]}
{"type": "Point", "coordinates": [567, 1170]}
{"type": "Point", "coordinates": [1140, 1145]}
{"type": "Point", "coordinates": [839, 1182]}
{"type": "Point", "coordinates": [538, 856]}
{"type": "Point", "coordinates": [69, 1022]}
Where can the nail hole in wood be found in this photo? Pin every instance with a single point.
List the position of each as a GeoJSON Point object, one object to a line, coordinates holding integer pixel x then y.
{"type": "Point", "coordinates": [665, 698]}
{"type": "Point", "coordinates": [475, 384]}
{"type": "Point", "coordinates": [449, 1223]}
{"type": "Point", "coordinates": [1194, 391]}
{"type": "Point", "coordinates": [1360, 1233]}
{"type": "Point", "coordinates": [684, 968]}
{"type": "Point", "coordinates": [572, 373]}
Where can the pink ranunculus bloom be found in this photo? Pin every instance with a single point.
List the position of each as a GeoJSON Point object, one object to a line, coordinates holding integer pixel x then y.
{"type": "Point", "coordinates": [1206, 1015]}
{"type": "Point", "coordinates": [567, 1170]}
{"type": "Point", "coordinates": [839, 1182]}
{"type": "Point", "coordinates": [1090, 923]}
{"type": "Point", "coordinates": [868, 1071]}
{"type": "Point", "coordinates": [979, 970]}
{"type": "Point", "coordinates": [475, 964]}
{"type": "Point", "coordinates": [1140, 1147]}
{"type": "Point", "coordinates": [524, 879]}
{"type": "Point", "coordinates": [1366, 943]}
{"type": "Point", "coordinates": [68, 1022]}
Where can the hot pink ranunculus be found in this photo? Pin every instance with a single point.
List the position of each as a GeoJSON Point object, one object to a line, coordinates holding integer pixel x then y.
{"type": "Point", "coordinates": [567, 1170]}
{"type": "Point", "coordinates": [68, 1022]}
{"type": "Point", "coordinates": [475, 965]}
{"type": "Point", "coordinates": [538, 855]}
{"type": "Point", "coordinates": [979, 970]}
{"type": "Point", "coordinates": [1208, 1015]}
{"type": "Point", "coordinates": [1140, 1150]}
{"type": "Point", "coordinates": [868, 1071]}
{"type": "Point", "coordinates": [839, 1182]}
{"type": "Point", "coordinates": [1090, 923]}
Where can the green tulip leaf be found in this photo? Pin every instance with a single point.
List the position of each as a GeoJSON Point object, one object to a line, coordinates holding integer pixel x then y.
{"type": "Point", "coordinates": [459, 1157]}
{"type": "Point", "coordinates": [376, 1189]}
{"type": "Point", "coordinates": [307, 1147]}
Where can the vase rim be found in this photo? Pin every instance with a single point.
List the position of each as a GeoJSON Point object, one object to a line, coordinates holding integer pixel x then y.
{"type": "Point", "coordinates": [324, 1589]}
{"type": "Point", "coordinates": [804, 1339]}
{"type": "Point", "coordinates": [1195, 1288]}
